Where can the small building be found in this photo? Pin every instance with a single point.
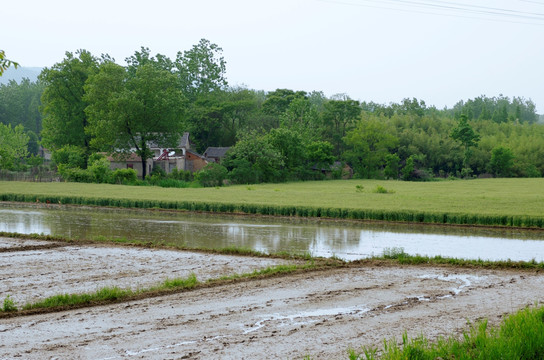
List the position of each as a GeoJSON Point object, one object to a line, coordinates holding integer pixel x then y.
{"type": "Point", "coordinates": [130, 161]}
{"type": "Point", "coordinates": [194, 161]}
{"type": "Point", "coordinates": [215, 154]}
{"type": "Point", "coordinates": [183, 144]}
{"type": "Point", "coordinates": [184, 159]}
{"type": "Point", "coordinates": [179, 157]}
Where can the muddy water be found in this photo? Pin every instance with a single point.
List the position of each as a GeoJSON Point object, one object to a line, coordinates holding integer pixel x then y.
{"type": "Point", "coordinates": [320, 238]}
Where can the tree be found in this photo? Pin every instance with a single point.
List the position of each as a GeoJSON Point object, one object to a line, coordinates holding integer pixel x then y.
{"type": "Point", "coordinates": [70, 156]}
{"type": "Point", "coordinates": [320, 154]}
{"type": "Point", "coordinates": [6, 63]}
{"type": "Point", "coordinates": [201, 74]}
{"type": "Point", "coordinates": [278, 101]}
{"type": "Point", "coordinates": [500, 115]}
{"type": "Point", "coordinates": [13, 146]}
{"type": "Point", "coordinates": [368, 144]}
{"type": "Point", "coordinates": [253, 160]}
{"type": "Point", "coordinates": [143, 57]}
{"type": "Point", "coordinates": [301, 117]}
{"type": "Point", "coordinates": [339, 116]}
{"type": "Point", "coordinates": [129, 112]}
{"type": "Point", "coordinates": [292, 147]}
{"type": "Point", "coordinates": [64, 117]}
{"type": "Point", "coordinates": [19, 104]}
{"type": "Point", "coordinates": [240, 108]}
{"type": "Point", "coordinates": [502, 161]}
{"type": "Point", "coordinates": [391, 170]}
{"type": "Point", "coordinates": [211, 175]}
{"type": "Point", "coordinates": [408, 169]}
{"type": "Point", "coordinates": [201, 69]}
{"type": "Point", "coordinates": [466, 136]}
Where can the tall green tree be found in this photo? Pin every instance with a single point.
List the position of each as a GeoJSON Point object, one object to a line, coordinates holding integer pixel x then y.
{"type": "Point", "coordinates": [502, 161]}
{"type": "Point", "coordinates": [466, 135]}
{"type": "Point", "coordinates": [19, 104]}
{"type": "Point", "coordinates": [201, 74]}
{"type": "Point", "coordinates": [201, 69]}
{"type": "Point", "coordinates": [128, 112]}
{"type": "Point", "coordinates": [301, 116]}
{"type": "Point", "coordinates": [13, 146]}
{"type": "Point", "coordinates": [278, 101]}
{"type": "Point", "coordinates": [253, 160]}
{"type": "Point", "coordinates": [391, 170]}
{"type": "Point", "coordinates": [339, 117]}
{"type": "Point", "coordinates": [144, 57]}
{"type": "Point", "coordinates": [64, 117]}
{"type": "Point", "coordinates": [368, 145]}
{"type": "Point", "coordinates": [292, 148]}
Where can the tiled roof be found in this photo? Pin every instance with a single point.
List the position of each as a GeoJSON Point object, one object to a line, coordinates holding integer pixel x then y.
{"type": "Point", "coordinates": [216, 152]}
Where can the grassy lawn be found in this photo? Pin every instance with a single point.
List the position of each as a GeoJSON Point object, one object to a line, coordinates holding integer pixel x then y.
{"type": "Point", "coordinates": [489, 197]}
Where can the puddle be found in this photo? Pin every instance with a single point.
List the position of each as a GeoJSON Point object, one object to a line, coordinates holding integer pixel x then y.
{"type": "Point", "coordinates": [304, 318]}
{"type": "Point", "coordinates": [465, 280]}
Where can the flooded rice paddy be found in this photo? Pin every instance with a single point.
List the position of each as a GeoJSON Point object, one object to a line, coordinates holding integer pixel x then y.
{"type": "Point", "coordinates": [346, 240]}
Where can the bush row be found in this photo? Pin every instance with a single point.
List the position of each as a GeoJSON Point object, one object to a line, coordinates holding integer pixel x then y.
{"type": "Point", "coordinates": [302, 211]}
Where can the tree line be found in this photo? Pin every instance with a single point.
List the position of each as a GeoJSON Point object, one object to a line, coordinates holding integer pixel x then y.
{"type": "Point", "coordinates": [92, 104]}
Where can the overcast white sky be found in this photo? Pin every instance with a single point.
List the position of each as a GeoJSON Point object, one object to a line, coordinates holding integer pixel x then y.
{"type": "Point", "coordinates": [372, 50]}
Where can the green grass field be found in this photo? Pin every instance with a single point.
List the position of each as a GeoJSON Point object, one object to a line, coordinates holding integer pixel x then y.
{"type": "Point", "coordinates": [510, 202]}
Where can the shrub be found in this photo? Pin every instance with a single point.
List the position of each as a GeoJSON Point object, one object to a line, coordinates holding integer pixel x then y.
{"type": "Point", "coordinates": [183, 175]}
{"type": "Point", "coordinates": [9, 304]}
{"type": "Point", "coordinates": [532, 171]}
{"type": "Point", "coordinates": [124, 176]}
{"type": "Point", "coordinates": [70, 156]}
{"type": "Point", "coordinates": [381, 190]}
{"type": "Point", "coordinates": [75, 174]}
{"type": "Point", "coordinates": [158, 172]}
{"type": "Point", "coordinates": [99, 168]}
{"type": "Point", "coordinates": [211, 175]}
{"type": "Point", "coordinates": [408, 169]}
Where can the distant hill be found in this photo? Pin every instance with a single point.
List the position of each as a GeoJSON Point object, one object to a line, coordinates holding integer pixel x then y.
{"type": "Point", "coordinates": [20, 73]}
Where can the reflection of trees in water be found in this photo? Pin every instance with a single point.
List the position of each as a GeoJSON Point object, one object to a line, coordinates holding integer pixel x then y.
{"type": "Point", "coordinates": [24, 222]}
{"type": "Point", "coordinates": [298, 235]}
{"type": "Point", "coordinates": [72, 224]}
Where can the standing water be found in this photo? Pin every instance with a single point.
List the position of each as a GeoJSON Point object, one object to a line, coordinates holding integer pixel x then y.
{"type": "Point", "coordinates": [346, 240]}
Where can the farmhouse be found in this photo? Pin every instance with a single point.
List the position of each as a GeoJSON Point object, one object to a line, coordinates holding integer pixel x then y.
{"type": "Point", "coordinates": [179, 157]}
{"type": "Point", "coordinates": [215, 154]}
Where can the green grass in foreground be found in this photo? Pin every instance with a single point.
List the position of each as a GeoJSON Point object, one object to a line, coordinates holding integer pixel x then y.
{"type": "Point", "coordinates": [490, 202]}
{"type": "Point", "coordinates": [519, 336]}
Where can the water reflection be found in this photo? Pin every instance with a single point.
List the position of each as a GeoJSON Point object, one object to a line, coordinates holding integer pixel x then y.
{"type": "Point", "coordinates": [320, 238]}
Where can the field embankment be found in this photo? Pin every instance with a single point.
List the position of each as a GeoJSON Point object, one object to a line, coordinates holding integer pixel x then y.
{"type": "Point", "coordinates": [489, 202]}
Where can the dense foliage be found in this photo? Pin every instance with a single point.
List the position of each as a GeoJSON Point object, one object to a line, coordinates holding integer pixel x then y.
{"type": "Point", "coordinates": [98, 105]}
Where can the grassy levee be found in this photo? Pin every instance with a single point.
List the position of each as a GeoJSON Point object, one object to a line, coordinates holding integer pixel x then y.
{"type": "Point", "coordinates": [519, 336]}
{"type": "Point", "coordinates": [490, 202]}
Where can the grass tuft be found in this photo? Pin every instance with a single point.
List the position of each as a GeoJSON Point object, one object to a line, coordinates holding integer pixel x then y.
{"type": "Point", "coordinates": [519, 336]}
{"type": "Point", "coordinates": [9, 305]}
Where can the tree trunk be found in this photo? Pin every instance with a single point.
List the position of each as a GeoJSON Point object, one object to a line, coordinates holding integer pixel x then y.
{"type": "Point", "coordinates": [144, 168]}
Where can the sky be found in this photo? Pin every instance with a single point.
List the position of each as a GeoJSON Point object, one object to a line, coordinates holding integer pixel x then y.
{"type": "Point", "coordinates": [440, 52]}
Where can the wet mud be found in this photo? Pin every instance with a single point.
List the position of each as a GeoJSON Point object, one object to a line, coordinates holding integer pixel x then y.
{"type": "Point", "coordinates": [321, 314]}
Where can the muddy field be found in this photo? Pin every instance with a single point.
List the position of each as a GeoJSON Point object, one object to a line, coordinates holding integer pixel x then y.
{"type": "Point", "coordinates": [321, 314]}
